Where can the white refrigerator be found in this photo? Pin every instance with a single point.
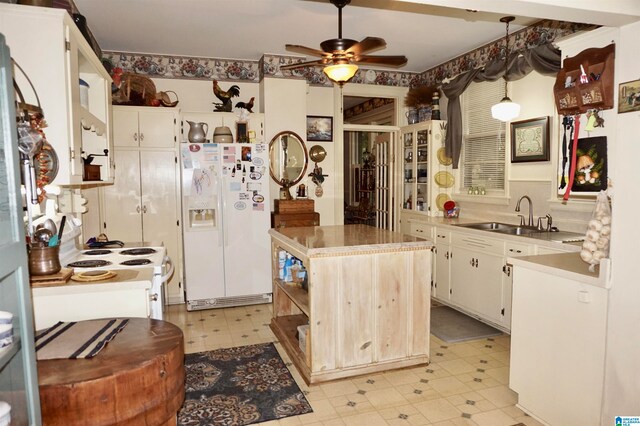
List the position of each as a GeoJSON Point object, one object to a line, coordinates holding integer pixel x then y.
{"type": "Point", "coordinates": [226, 217]}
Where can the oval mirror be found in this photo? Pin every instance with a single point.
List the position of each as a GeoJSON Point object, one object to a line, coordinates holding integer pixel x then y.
{"type": "Point", "coordinates": [288, 160]}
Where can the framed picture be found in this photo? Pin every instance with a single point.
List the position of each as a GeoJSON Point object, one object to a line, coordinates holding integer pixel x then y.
{"type": "Point", "coordinates": [241, 132]}
{"type": "Point", "coordinates": [530, 140]}
{"type": "Point", "coordinates": [319, 128]}
{"type": "Point", "coordinates": [629, 96]}
{"type": "Point", "coordinates": [591, 171]}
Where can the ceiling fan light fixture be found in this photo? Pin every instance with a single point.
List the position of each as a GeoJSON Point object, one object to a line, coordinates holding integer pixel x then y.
{"type": "Point", "coordinates": [505, 110]}
{"type": "Point", "coordinates": [340, 73]}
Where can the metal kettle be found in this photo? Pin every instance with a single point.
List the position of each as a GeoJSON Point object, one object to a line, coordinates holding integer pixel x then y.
{"type": "Point", "coordinates": [197, 132]}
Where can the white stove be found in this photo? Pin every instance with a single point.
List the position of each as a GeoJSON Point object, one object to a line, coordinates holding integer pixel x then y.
{"type": "Point", "coordinates": [107, 259]}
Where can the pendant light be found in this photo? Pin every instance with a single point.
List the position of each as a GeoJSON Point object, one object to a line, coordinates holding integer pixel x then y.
{"type": "Point", "coordinates": [506, 109]}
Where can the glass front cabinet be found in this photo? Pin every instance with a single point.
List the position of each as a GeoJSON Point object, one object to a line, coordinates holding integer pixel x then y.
{"type": "Point", "coordinates": [427, 178]}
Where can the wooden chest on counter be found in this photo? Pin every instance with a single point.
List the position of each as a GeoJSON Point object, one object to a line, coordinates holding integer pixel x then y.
{"type": "Point", "coordinates": [292, 213]}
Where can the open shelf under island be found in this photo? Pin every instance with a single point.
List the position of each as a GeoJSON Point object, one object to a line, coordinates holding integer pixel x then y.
{"type": "Point", "coordinates": [367, 304]}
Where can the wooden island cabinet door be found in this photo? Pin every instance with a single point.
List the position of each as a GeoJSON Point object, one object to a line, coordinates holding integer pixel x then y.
{"type": "Point", "coordinates": [378, 311]}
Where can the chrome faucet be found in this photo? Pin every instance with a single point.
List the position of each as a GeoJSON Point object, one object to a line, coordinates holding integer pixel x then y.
{"type": "Point", "coordinates": [530, 208]}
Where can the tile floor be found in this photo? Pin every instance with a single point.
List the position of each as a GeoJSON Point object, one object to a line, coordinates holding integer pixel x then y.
{"type": "Point", "coordinates": [465, 383]}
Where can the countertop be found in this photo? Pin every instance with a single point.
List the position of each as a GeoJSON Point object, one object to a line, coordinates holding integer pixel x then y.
{"type": "Point", "coordinates": [129, 278]}
{"type": "Point", "coordinates": [562, 239]}
{"type": "Point", "coordinates": [566, 265]}
{"type": "Point", "coordinates": [323, 240]}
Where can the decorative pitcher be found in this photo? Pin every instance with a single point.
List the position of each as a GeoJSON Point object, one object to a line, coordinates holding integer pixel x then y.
{"type": "Point", "coordinates": [412, 116]}
{"type": "Point", "coordinates": [197, 132]}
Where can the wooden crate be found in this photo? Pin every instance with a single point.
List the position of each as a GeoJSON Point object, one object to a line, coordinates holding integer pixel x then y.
{"type": "Point", "coordinates": [293, 206]}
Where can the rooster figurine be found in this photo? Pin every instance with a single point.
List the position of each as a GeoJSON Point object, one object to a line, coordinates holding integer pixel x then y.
{"type": "Point", "coordinates": [246, 105]}
{"type": "Point", "coordinates": [225, 96]}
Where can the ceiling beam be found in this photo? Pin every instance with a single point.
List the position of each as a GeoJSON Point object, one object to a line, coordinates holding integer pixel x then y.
{"type": "Point", "coordinates": [608, 13]}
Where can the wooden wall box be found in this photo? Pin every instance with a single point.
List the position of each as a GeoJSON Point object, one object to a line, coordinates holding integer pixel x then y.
{"type": "Point", "coordinates": [293, 206]}
{"type": "Point", "coordinates": [288, 220]}
{"type": "Point", "coordinates": [597, 92]}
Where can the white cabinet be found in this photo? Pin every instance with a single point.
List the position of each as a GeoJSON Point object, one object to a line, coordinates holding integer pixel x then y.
{"type": "Point", "coordinates": [476, 275]}
{"type": "Point", "coordinates": [46, 43]}
{"type": "Point", "coordinates": [143, 204]}
{"type": "Point", "coordinates": [511, 249]}
{"type": "Point", "coordinates": [441, 276]}
{"type": "Point", "coordinates": [560, 324]}
{"type": "Point", "coordinates": [144, 127]}
{"type": "Point", "coordinates": [425, 172]}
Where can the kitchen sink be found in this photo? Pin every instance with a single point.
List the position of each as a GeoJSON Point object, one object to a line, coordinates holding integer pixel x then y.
{"type": "Point", "coordinates": [501, 228]}
{"type": "Point", "coordinates": [489, 226]}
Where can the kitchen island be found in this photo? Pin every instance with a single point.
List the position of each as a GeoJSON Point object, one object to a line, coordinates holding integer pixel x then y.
{"type": "Point", "coordinates": [367, 306]}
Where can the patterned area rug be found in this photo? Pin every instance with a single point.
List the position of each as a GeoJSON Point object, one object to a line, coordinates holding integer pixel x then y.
{"type": "Point", "coordinates": [239, 386]}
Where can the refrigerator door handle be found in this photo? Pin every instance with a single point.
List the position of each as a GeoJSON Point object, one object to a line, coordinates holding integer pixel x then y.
{"type": "Point", "coordinates": [222, 210]}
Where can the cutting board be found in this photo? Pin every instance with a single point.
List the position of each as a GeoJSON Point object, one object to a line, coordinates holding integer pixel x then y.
{"type": "Point", "coordinates": [49, 280]}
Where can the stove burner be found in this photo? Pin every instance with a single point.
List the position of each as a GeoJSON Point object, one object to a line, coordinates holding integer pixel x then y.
{"type": "Point", "coordinates": [136, 262]}
{"type": "Point", "coordinates": [96, 252]}
{"type": "Point", "coordinates": [138, 251]}
{"type": "Point", "coordinates": [92, 263]}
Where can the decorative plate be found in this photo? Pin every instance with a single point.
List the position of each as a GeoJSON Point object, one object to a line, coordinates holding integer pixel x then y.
{"type": "Point", "coordinates": [444, 179]}
{"type": "Point", "coordinates": [442, 157]}
{"type": "Point", "coordinates": [46, 164]}
{"type": "Point", "coordinates": [441, 199]}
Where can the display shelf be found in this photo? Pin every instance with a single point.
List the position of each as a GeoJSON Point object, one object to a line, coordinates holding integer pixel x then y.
{"type": "Point", "coordinates": [286, 328]}
{"type": "Point", "coordinates": [69, 58]}
{"type": "Point", "coordinates": [7, 354]}
{"type": "Point", "coordinates": [298, 296]}
{"type": "Point", "coordinates": [575, 92]}
{"type": "Point", "coordinates": [420, 143]}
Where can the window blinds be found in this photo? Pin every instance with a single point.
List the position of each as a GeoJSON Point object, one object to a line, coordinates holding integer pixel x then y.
{"type": "Point", "coordinates": [483, 150]}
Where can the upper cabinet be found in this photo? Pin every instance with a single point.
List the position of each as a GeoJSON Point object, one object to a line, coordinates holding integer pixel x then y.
{"type": "Point", "coordinates": [586, 81]}
{"type": "Point", "coordinates": [144, 127]}
{"type": "Point", "coordinates": [48, 46]}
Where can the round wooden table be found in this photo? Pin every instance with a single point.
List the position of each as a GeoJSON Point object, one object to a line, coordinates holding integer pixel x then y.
{"type": "Point", "coordinates": [137, 379]}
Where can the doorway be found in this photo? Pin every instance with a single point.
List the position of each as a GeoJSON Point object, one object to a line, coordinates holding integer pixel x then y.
{"type": "Point", "coordinates": [370, 137]}
{"type": "Point", "coordinates": [369, 178]}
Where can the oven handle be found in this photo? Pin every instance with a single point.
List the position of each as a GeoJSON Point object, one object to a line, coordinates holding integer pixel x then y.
{"type": "Point", "coordinates": [166, 277]}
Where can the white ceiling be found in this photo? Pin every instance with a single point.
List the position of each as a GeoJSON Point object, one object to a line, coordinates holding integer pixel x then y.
{"type": "Point", "coordinates": [423, 30]}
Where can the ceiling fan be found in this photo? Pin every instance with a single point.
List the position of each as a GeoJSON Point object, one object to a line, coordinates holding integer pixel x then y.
{"type": "Point", "coordinates": [340, 55]}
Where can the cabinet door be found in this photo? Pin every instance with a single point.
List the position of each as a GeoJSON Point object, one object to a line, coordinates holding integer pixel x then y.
{"type": "Point", "coordinates": [160, 207]}
{"type": "Point", "coordinates": [18, 374]}
{"type": "Point", "coordinates": [157, 128]}
{"type": "Point", "coordinates": [489, 279]}
{"type": "Point", "coordinates": [122, 207]}
{"type": "Point", "coordinates": [125, 127]}
{"type": "Point", "coordinates": [441, 276]}
{"type": "Point", "coordinates": [476, 282]}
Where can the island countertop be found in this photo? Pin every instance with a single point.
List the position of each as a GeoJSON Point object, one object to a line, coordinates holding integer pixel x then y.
{"type": "Point", "coordinates": [322, 240]}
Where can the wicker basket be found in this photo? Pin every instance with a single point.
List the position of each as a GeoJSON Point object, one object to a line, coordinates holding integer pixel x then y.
{"type": "Point", "coordinates": [135, 90]}
{"type": "Point", "coordinates": [165, 99]}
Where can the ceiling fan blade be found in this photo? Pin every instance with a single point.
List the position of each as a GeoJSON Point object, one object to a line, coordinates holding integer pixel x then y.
{"type": "Point", "coordinates": [395, 61]}
{"type": "Point", "coordinates": [305, 50]}
{"type": "Point", "coordinates": [367, 45]}
{"type": "Point", "coordinates": [306, 64]}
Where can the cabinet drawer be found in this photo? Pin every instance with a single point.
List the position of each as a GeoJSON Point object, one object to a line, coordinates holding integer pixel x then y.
{"type": "Point", "coordinates": [421, 230]}
{"type": "Point", "coordinates": [517, 249]}
{"type": "Point", "coordinates": [442, 237]}
{"type": "Point", "coordinates": [472, 242]}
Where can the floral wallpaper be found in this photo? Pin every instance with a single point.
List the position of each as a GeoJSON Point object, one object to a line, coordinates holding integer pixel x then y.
{"type": "Point", "coordinates": [160, 66]}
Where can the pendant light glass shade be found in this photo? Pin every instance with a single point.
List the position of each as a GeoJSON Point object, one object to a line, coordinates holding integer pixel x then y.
{"type": "Point", "coordinates": [340, 73]}
{"type": "Point", "coordinates": [506, 109]}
